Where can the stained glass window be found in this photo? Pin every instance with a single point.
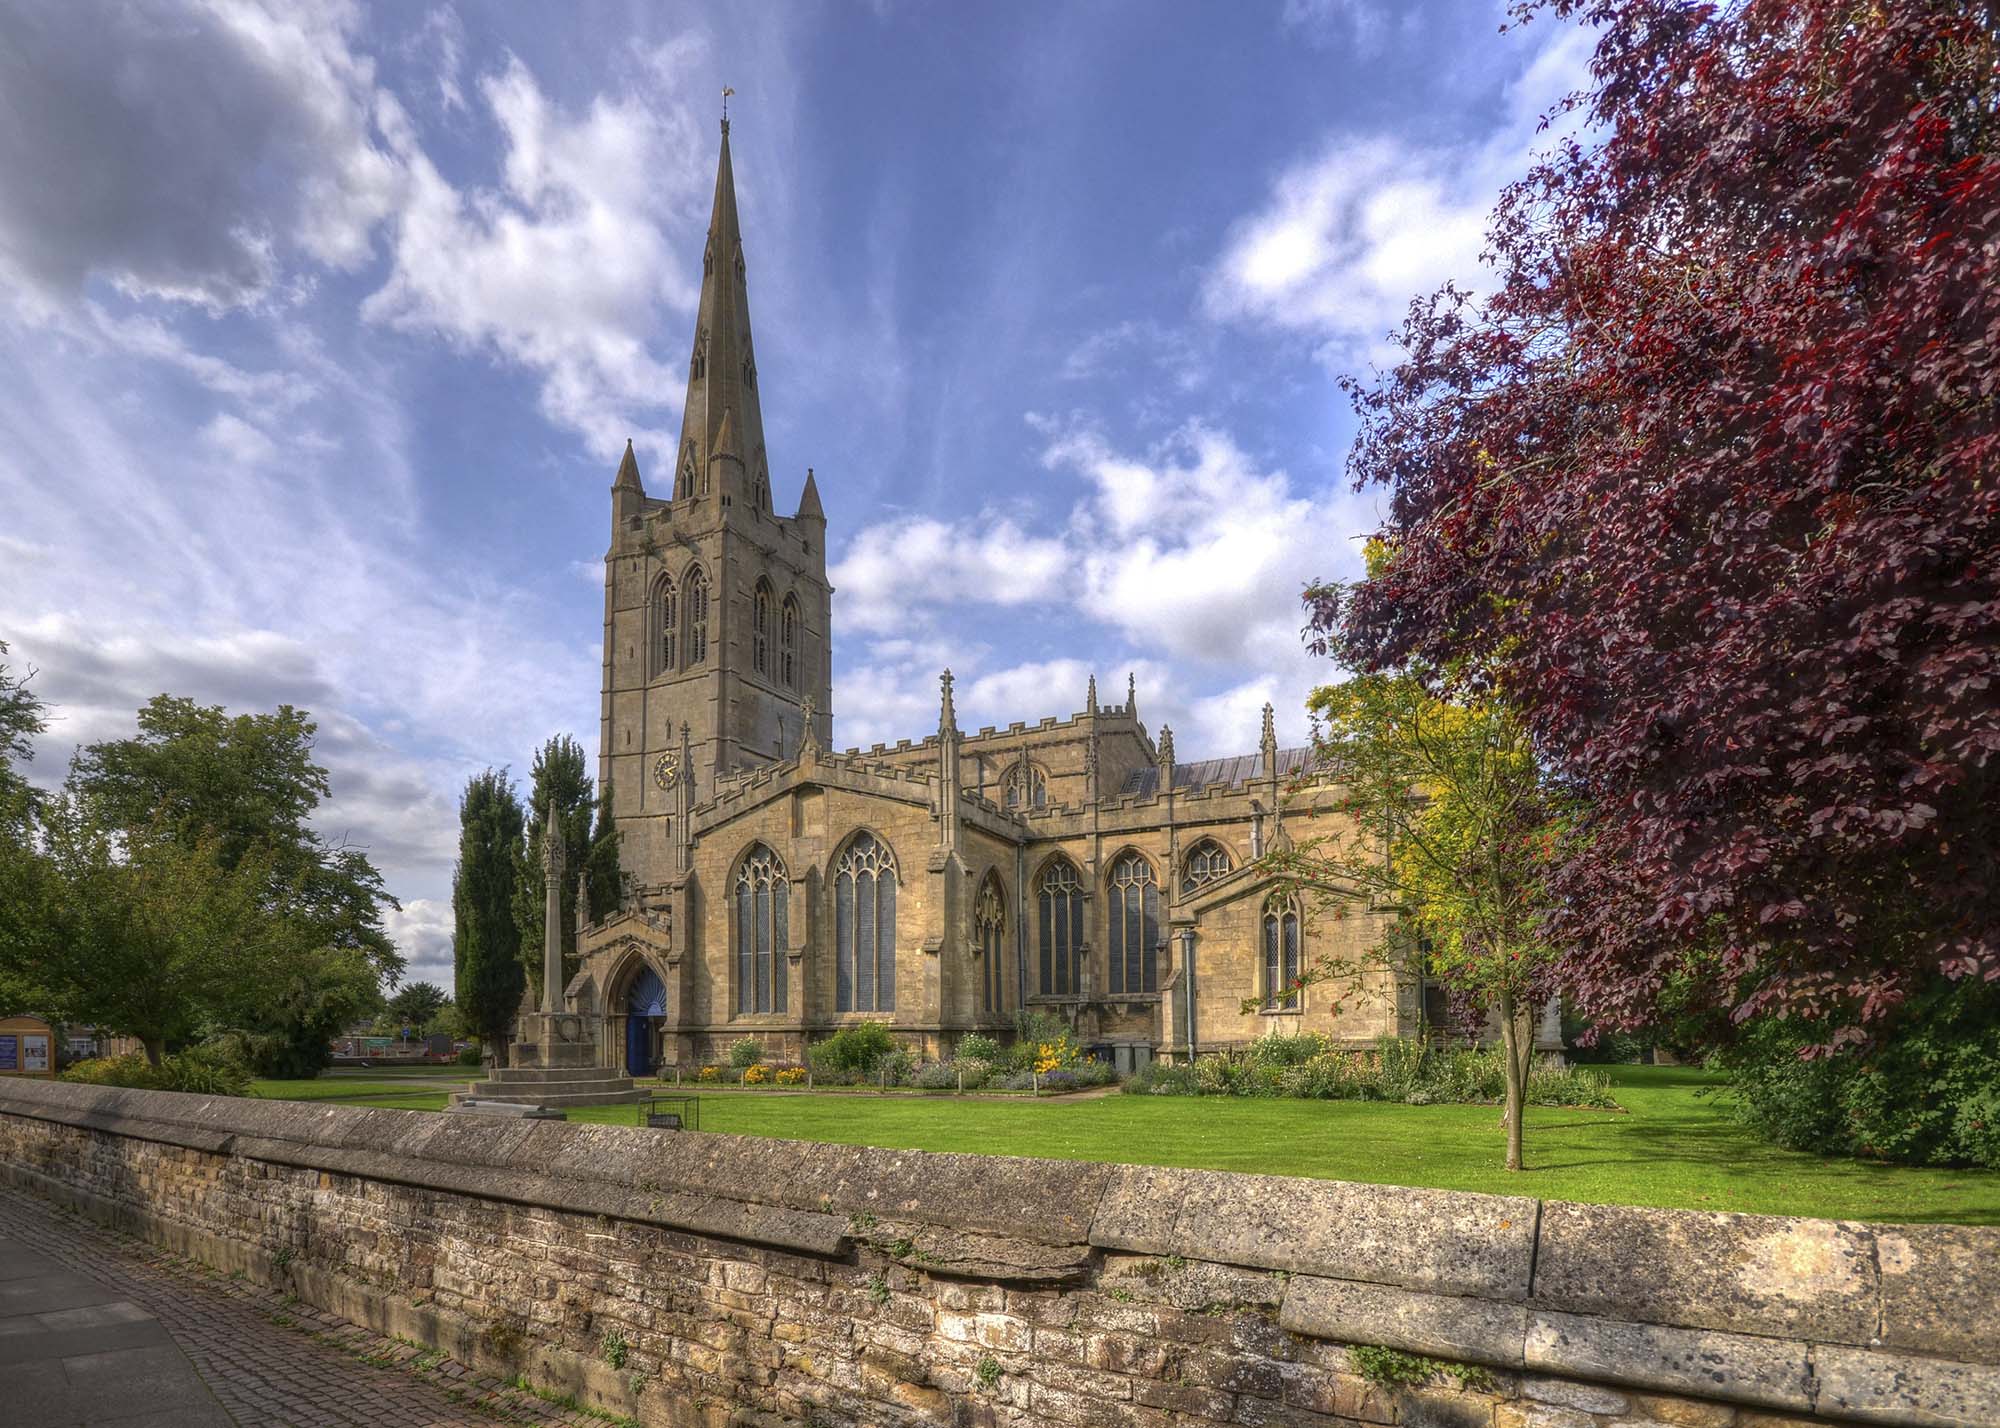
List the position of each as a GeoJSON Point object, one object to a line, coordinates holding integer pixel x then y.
{"type": "Point", "coordinates": [1061, 906]}
{"type": "Point", "coordinates": [864, 927]}
{"type": "Point", "coordinates": [763, 907]}
{"type": "Point", "coordinates": [1135, 926]}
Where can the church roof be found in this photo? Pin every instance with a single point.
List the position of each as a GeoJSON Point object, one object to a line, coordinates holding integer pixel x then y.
{"type": "Point", "coordinates": [1235, 771]}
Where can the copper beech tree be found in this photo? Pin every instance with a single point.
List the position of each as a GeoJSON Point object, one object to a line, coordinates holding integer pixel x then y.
{"type": "Point", "coordinates": [1706, 488]}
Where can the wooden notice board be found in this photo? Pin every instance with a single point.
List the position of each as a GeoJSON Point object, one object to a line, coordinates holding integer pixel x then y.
{"type": "Point", "coordinates": [27, 1047]}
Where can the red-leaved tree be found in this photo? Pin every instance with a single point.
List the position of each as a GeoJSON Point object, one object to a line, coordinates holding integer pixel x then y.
{"type": "Point", "coordinates": [1709, 489]}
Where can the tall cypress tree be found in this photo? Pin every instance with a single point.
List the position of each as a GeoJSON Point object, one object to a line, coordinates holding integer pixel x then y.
{"type": "Point", "coordinates": [486, 944]}
{"type": "Point", "coordinates": [602, 868]}
{"type": "Point", "coordinates": [558, 773]}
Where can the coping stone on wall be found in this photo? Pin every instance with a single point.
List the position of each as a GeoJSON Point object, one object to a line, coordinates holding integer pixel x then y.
{"type": "Point", "coordinates": [1442, 1325]}
{"type": "Point", "coordinates": [1902, 1388]}
{"type": "Point", "coordinates": [1710, 1364]}
{"type": "Point", "coordinates": [1941, 1289]}
{"type": "Point", "coordinates": [1443, 1241]}
{"type": "Point", "coordinates": [1758, 1274]}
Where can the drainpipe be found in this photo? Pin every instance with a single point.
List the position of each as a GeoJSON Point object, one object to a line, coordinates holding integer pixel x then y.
{"type": "Point", "coordinates": [1187, 985]}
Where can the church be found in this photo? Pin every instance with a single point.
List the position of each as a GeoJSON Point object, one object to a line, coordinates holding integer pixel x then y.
{"type": "Point", "coordinates": [776, 889]}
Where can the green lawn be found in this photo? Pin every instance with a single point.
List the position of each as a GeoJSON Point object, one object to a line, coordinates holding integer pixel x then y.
{"type": "Point", "coordinates": [1675, 1148]}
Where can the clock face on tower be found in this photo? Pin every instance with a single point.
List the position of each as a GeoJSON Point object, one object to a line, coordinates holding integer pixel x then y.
{"type": "Point", "coordinates": [666, 768]}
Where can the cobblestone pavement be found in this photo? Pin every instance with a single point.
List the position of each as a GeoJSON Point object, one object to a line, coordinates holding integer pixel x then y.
{"type": "Point", "coordinates": [267, 1362]}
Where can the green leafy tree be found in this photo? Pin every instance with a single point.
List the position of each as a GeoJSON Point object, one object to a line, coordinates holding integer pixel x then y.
{"type": "Point", "coordinates": [26, 879]}
{"type": "Point", "coordinates": [243, 783]}
{"type": "Point", "coordinates": [557, 775]}
{"type": "Point", "coordinates": [486, 941]}
{"type": "Point", "coordinates": [22, 716]}
{"type": "Point", "coordinates": [149, 935]}
{"type": "Point", "coordinates": [416, 1004]}
{"type": "Point", "coordinates": [1452, 823]}
{"type": "Point", "coordinates": [602, 873]}
{"type": "Point", "coordinates": [242, 789]}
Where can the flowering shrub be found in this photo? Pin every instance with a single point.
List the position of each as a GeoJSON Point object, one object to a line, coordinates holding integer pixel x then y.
{"type": "Point", "coordinates": [1394, 1070]}
{"type": "Point", "coordinates": [709, 1073]}
{"type": "Point", "coordinates": [791, 1076]}
{"type": "Point", "coordinates": [756, 1074]}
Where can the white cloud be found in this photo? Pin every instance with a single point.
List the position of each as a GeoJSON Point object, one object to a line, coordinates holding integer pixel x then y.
{"type": "Point", "coordinates": [564, 268]}
{"type": "Point", "coordinates": [1349, 235]}
{"type": "Point", "coordinates": [181, 156]}
{"type": "Point", "coordinates": [1190, 552]}
{"type": "Point", "coordinates": [989, 560]}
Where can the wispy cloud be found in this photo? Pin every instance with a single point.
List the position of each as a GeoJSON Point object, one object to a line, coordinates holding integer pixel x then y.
{"type": "Point", "coordinates": [1350, 234]}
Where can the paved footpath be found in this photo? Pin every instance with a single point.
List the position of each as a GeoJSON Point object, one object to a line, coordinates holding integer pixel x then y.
{"type": "Point", "coordinates": [98, 1328]}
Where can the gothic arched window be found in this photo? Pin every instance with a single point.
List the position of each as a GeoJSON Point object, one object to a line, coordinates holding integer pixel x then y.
{"type": "Point", "coordinates": [788, 641]}
{"type": "Point", "coordinates": [1135, 926]}
{"type": "Point", "coordinates": [1061, 899]}
{"type": "Point", "coordinates": [760, 629]}
{"type": "Point", "coordinates": [1205, 862]}
{"type": "Point", "coordinates": [864, 927]}
{"type": "Point", "coordinates": [989, 924]}
{"type": "Point", "coordinates": [763, 920]}
{"type": "Point", "coordinates": [697, 616]}
{"type": "Point", "coordinates": [1281, 954]}
{"type": "Point", "coordinates": [1027, 787]}
{"type": "Point", "coordinates": [663, 625]}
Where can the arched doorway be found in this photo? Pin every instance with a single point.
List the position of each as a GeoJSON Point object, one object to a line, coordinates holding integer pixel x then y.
{"type": "Point", "coordinates": [645, 1009]}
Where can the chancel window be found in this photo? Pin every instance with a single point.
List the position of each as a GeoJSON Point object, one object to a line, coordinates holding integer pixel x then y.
{"type": "Point", "coordinates": [1027, 787]}
{"type": "Point", "coordinates": [697, 616]}
{"type": "Point", "coordinates": [1281, 954]}
{"type": "Point", "coordinates": [663, 625]}
{"type": "Point", "coordinates": [788, 641]}
{"type": "Point", "coordinates": [760, 629]}
{"type": "Point", "coordinates": [1135, 926]}
{"type": "Point", "coordinates": [1205, 862]}
{"type": "Point", "coordinates": [989, 922]}
{"type": "Point", "coordinates": [864, 927]}
{"type": "Point", "coordinates": [1060, 902]}
{"type": "Point", "coordinates": [763, 919]}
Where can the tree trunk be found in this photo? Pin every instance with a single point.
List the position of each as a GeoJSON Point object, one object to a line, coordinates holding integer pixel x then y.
{"type": "Point", "coordinates": [156, 1048]}
{"type": "Point", "coordinates": [1511, 1040]}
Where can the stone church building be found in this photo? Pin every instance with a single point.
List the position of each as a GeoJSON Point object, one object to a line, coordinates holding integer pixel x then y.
{"type": "Point", "coordinates": [776, 889]}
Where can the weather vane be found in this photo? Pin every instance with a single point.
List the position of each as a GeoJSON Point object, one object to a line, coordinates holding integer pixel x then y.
{"type": "Point", "coordinates": [726, 92]}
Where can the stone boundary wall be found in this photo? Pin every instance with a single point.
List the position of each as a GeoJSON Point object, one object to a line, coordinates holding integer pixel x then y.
{"type": "Point", "coordinates": [722, 1280]}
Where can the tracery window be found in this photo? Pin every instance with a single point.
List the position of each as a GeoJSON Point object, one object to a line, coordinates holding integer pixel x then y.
{"type": "Point", "coordinates": [989, 922]}
{"type": "Point", "coordinates": [760, 629]}
{"type": "Point", "coordinates": [788, 641]}
{"type": "Point", "coordinates": [1281, 954]}
{"type": "Point", "coordinates": [663, 625]}
{"type": "Point", "coordinates": [1205, 862]}
{"type": "Point", "coordinates": [763, 908]}
{"type": "Point", "coordinates": [864, 927]}
{"type": "Point", "coordinates": [1027, 787]}
{"type": "Point", "coordinates": [1135, 926]}
{"type": "Point", "coordinates": [697, 616]}
{"type": "Point", "coordinates": [1061, 906]}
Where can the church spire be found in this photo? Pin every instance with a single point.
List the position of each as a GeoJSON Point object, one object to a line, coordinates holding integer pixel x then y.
{"type": "Point", "coordinates": [722, 368]}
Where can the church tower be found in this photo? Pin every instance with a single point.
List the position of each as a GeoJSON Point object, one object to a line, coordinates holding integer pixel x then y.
{"type": "Point", "coordinates": [717, 611]}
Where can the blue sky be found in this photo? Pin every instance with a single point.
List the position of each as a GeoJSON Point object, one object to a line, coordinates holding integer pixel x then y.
{"type": "Point", "coordinates": [322, 326]}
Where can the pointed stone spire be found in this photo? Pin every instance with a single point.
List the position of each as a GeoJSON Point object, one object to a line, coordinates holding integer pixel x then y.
{"type": "Point", "coordinates": [1132, 694]}
{"type": "Point", "coordinates": [628, 472]}
{"type": "Point", "coordinates": [1090, 697]}
{"type": "Point", "coordinates": [809, 506]}
{"type": "Point", "coordinates": [1267, 746]}
{"type": "Point", "coordinates": [722, 369]}
{"type": "Point", "coordinates": [947, 715]}
{"type": "Point", "coordinates": [1166, 755]}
